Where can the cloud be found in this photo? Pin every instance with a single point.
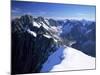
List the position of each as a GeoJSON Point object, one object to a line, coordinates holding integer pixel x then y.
{"type": "Point", "coordinates": [16, 10]}
{"type": "Point", "coordinates": [81, 14]}
{"type": "Point", "coordinates": [39, 12]}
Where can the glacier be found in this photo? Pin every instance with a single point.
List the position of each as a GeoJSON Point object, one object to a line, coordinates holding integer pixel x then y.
{"type": "Point", "coordinates": [67, 58]}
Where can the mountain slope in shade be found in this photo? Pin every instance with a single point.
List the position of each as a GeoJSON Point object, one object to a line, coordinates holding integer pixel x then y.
{"type": "Point", "coordinates": [68, 59]}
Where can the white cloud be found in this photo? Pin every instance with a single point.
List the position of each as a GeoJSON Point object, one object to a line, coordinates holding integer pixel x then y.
{"type": "Point", "coordinates": [16, 10]}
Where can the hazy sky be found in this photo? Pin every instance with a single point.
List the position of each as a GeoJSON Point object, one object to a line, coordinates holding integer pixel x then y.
{"type": "Point", "coordinates": [52, 10]}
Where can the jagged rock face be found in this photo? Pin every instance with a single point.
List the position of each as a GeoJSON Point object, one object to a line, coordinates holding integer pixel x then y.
{"type": "Point", "coordinates": [29, 52]}
{"type": "Point", "coordinates": [81, 32]}
{"type": "Point", "coordinates": [53, 22]}
{"type": "Point", "coordinates": [22, 24]}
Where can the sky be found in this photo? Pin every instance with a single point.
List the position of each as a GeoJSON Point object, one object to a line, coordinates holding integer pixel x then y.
{"type": "Point", "coordinates": [53, 10]}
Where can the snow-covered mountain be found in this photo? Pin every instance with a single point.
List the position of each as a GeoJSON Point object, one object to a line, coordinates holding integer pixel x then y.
{"type": "Point", "coordinates": [40, 44]}
{"type": "Point", "coordinates": [80, 31]}
{"type": "Point", "coordinates": [67, 58]}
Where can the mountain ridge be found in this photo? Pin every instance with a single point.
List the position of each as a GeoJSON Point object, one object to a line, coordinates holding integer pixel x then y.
{"type": "Point", "coordinates": [35, 39]}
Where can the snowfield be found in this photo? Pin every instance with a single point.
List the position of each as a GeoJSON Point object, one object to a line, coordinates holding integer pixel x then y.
{"type": "Point", "coordinates": [66, 58]}
{"type": "Point", "coordinates": [47, 36]}
{"type": "Point", "coordinates": [36, 24]}
{"type": "Point", "coordinates": [32, 32]}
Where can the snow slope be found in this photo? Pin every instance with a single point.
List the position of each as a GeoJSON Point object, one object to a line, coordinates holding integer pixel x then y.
{"type": "Point", "coordinates": [36, 24]}
{"type": "Point", "coordinates": [32, 32]}
{"type": "Point", "coordinates": [68, 59]}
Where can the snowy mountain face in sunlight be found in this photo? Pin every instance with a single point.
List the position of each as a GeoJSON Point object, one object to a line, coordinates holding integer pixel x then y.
{"type": "Point", "coordinates": [68, 59]}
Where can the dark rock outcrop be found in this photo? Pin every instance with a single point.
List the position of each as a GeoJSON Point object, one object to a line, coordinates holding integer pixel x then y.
{"type": "Point", "coordinates": [29, 52]}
